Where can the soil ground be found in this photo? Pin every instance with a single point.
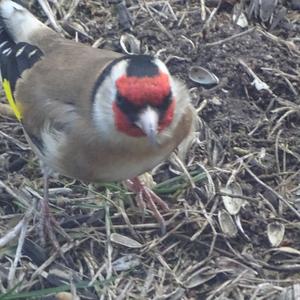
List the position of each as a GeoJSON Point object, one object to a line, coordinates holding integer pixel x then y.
{"type": "Point", "coordinates": [235, 235]}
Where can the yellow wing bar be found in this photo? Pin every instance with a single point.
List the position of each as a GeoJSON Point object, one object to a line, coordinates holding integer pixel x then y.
{"type": "Point", "coordinates": [10, 98]}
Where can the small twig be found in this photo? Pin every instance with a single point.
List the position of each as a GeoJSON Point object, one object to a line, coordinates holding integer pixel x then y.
{"type": "Point", "coordinates": [98, 274]}
{"type": "Point", "coordinates": [48, 11]}
{"type": "Point", "coordinates": [24, 199]}
{"type": "Point", "coordinates": [159, 25]}
{"type": "Point", "coordinates": [168, 5]}
{"type": "Point", "coordinates": [283, 74]}
{"type": "Point", "coordinates": [181, 165]}
{"type": "Point", "coordinates": [12, 270]}
{"type": "Point", "coordinates": [286, 77]}
{"type": "Point", "coordinates": [209, 220]}
{"type": "Point", "coordinates": [71, 10]}
{"type": "Point", "coordinates": [203, 10]}
{"type": "Point", "coordinates": [211, 16]}
{"type": "Point", "coordinates": [122, 210]}
{"type": "Point", "coordinates": [240, 10]}
{"type": "Point", "coordinates": [63, 249]}
{"type": "Point", "coordinates": [231, 37]}
{"type": "Point", "coordinates": [148, 281]}
{"type": "Point", "coordinates": [227, 285]}
{"type": "Point", "coordinates": [124, 292]}
{"type": "Point", "coordinates": [291, 207]}
{"type": "Point", "coordinates": [21, 145]}
{"type": "Point", "coordinates": [201, 107]}
{"type": "Point", "coordinates": [13, 233]}
{"type": "Point", "coordinates": [276, 151]}
{"type": "Point", "coordinates": [280, 120]}
{"type": "Point", "coordinates": [109, 247]}
{"type": "Point", "coordinates": [290, 45]}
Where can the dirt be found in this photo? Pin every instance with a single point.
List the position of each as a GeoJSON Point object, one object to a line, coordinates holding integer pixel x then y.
{"type": "Point", "coordinates": [246, 136]}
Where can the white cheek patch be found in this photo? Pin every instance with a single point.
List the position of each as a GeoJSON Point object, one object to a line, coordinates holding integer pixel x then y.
{"type": "Point", "coordinates": [105, 96]}
{"type": "Point", "coordinates": [119, 70]}
{"type": "Point", "coordinates": [102, 110]}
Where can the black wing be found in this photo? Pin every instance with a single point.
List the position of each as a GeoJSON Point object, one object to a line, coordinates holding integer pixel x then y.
{"type": "Point", "coordinates": [15, 58]}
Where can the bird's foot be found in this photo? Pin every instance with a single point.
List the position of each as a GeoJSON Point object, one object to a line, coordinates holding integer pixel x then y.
{"type": "Point", "coordinates": [145, 197]}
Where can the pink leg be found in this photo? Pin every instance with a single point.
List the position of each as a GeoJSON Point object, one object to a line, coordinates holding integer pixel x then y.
{"type": "Point", "coordinates": [146, 197]}
{"type": "Point", "coordinates": [48, 224]}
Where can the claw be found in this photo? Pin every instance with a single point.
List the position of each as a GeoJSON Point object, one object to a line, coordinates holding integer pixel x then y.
{"type": "Point", "coordinates": [146, 197]}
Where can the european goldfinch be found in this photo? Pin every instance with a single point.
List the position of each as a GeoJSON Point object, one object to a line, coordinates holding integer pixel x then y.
{"type": "Point", "coordinates": [90, 114]}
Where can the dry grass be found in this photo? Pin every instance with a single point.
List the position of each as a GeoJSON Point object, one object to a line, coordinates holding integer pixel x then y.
{"type": "Point", "coordinates": [234, 234]}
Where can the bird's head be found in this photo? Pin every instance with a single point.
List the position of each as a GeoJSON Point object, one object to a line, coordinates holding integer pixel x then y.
{"type": "Point", "coordinates": [140, 95]}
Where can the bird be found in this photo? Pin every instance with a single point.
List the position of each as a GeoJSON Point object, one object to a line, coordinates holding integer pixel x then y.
{"type": "Point", "coordinates": [90, 114]}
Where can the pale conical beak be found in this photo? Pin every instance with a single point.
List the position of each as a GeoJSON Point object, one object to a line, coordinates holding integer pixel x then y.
{"type": "Point", "coordinates": [148, 123]}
